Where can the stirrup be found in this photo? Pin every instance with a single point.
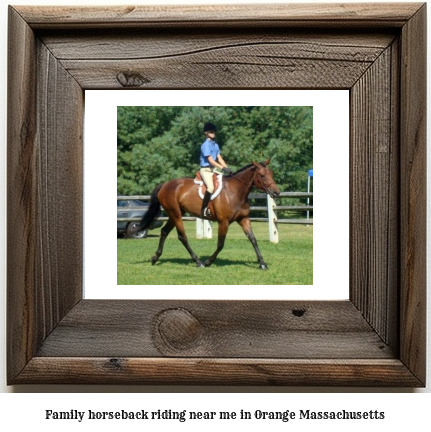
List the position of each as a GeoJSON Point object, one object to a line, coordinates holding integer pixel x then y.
{"type": "Point", "coordinates": [206, 212]}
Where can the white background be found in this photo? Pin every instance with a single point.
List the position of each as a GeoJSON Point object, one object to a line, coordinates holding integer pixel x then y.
{"type": "Point", "coordinates": [331, 182]}
{"type": "Point", "coordinates": [403, 409]}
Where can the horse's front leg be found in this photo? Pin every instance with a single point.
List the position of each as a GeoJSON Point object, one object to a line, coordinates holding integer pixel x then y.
{"type": "Point", "coordinates": [246, 226]}
{"type": "Point", "coordinates": [222, 231]}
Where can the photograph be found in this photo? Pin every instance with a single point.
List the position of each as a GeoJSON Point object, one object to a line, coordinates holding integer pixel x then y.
{"type": "Point", "coordinates": [262, 229]}
{"type": "Point", "coordinates": [250, 164]}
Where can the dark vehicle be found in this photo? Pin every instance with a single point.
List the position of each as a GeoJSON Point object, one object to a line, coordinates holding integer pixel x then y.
{"type": "Point", "coordinates": [132, 209]}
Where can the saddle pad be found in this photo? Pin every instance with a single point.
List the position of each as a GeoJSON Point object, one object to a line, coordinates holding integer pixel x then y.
{"type": "Point", "coordinates": [218, 183]}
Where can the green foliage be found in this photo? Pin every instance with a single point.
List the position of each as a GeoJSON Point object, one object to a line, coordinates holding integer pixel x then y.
{"type": "Point", "coordinates": [157, 144]}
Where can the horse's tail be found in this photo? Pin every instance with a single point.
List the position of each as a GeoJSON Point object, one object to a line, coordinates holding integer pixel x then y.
{"type": "Point", "coordinates": [153, 211]}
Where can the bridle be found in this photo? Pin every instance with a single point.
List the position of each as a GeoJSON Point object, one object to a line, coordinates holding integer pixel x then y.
{"type": "Point", "coordinates": [263, 188]}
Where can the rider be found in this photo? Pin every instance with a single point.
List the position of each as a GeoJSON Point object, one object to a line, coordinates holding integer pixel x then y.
{"type": "Point", "coordinates": [210, 159]}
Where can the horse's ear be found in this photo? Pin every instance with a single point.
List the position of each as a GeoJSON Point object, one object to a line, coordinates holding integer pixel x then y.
{"type": "Point", "coordinates": [255, 164]}
{"type": "Point", "coordinates": [268, 161]}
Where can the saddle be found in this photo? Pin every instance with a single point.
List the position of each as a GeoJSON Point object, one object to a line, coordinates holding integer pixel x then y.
{"type": "Point", "coordinates": [218, 184]}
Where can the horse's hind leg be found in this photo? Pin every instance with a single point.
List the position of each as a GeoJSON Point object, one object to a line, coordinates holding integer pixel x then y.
{"type": "Point", "coordinates": [164, 233]}
{"type": "Point", "coordinates": [182, 237]}
{"type": "Point", "coordinates": [222, 231]}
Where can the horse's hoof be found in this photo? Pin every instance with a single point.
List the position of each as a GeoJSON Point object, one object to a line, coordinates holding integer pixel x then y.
{"type": "Point", "coordinates": [153, 260]}
{"type": "Point", "coordinates": [263, 267]}
{"type": "Point", "coordinates": [208, 263]}
{"type": "Point", "coordinates": [199, 264]}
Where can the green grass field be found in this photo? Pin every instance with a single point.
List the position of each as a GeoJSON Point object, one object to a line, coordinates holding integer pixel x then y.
{"type": "Point", "coordinates": [290, 261]}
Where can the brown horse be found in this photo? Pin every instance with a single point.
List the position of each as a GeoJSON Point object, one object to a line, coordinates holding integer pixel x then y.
{"type": "Point", "coordinates": [180, 196]}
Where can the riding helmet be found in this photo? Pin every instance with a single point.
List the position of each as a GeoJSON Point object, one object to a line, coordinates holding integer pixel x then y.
{"type": "Point", "coordinates": [209, 127]}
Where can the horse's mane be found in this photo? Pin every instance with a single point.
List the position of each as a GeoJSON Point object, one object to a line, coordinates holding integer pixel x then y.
{"type": "Point", "coordinates": [247, 167]}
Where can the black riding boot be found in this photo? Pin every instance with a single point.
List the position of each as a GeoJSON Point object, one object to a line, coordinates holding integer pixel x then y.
{"type": "Point", "coordinates": [205, 211]}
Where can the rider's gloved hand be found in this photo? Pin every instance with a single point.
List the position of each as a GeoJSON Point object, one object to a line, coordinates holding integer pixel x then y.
{"type": "Point", "coordinates": [227, 171]}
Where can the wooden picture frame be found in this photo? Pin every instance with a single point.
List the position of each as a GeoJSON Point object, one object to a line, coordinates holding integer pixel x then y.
{"type": "Point", "coordinates": [376, 338]}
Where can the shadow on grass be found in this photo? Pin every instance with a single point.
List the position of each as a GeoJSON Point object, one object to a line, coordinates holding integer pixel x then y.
{"type": "Point", "coordinates": [219, 262]}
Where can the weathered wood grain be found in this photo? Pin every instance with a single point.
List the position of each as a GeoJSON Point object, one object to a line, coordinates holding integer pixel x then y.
{"type": "Point", "coordinates": [203, 59]}
{"type": "Point", "coordinates": [301, 15]}
{"type": "Point", "coordinates": [197, 371]}
{"type": "Point", "coordinates": [44, 193]}
{"type": "Point", "coordinates": [413, 171]}
{"type": "Point", "coordinates": [375, 338]}
{"type": "Point", "coordinates": [205, 71]}
{"type": "Point", "coordinates": [21, 197]}
{"type": "Point", "coordinates": [236, 329]}
{"type": "Point", "coordinates": [374, 194]}
{"type": "Point", "coordinates": [323, 45]}
{"type": "Point", "coordinates": [59, 188]}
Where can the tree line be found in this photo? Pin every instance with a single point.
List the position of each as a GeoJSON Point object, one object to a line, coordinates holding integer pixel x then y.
{"type": "Point", "coordinates": [156, 144]}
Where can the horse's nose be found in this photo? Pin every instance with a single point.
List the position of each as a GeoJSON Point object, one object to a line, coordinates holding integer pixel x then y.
{"type": "Point", "coordinates": [275, 193]}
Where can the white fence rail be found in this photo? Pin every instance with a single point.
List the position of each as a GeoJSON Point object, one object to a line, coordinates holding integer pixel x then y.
{"type": "Point", "coordinates": [204, 229]}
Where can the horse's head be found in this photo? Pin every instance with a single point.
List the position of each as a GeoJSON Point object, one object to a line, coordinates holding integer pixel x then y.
{"type": "Point", "coordinates": [264, 180]}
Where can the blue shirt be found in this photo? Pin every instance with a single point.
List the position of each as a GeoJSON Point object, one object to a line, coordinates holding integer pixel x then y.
{"type": "Point", "coordinates": [209, 148]}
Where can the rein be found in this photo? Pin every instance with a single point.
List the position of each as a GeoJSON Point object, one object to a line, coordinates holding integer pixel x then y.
{"type": "Point", "coordinates": [263, 189]}
{"type": "Point", "coordinates": [248, 184]}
